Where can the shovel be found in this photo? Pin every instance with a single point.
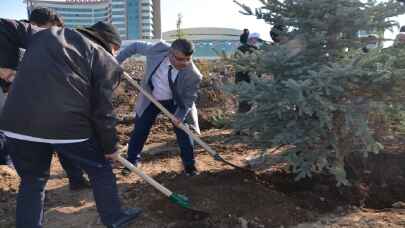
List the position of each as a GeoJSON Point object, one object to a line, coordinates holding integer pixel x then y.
{"type": "Point", "coordinates": [175, 198]}
{"type": "Point", "coordinates": [212, 152]}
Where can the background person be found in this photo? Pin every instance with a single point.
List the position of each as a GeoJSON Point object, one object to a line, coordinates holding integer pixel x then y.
{"type": "Point", "coordinates": [46, 18]}
{"type": "Point", "coordinates": [243, 76]}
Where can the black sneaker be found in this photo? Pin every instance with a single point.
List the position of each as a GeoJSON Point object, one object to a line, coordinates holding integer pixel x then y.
{"type": "Point", "coordinates": [79, 185]}
{"type": "Point", "coordinates": [128, 216]}
{"type": "Point", "coordinates": [190, 170]}
{"type": "Point", "coordinates": [125, 172]}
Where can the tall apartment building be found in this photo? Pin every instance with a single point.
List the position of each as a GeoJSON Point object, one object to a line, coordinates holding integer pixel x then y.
{"type": "Point", "coordinates": [157, 23]}
{"type": "Point", "coordinates": [118, 17]}
{"type": "Point", "coordinates": [134, 19]}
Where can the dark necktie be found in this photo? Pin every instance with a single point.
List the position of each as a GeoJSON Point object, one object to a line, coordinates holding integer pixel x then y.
{"type": "Point", "coordinates": [153, 72]}
{"type": "Point", "coordinates": [169, 77]}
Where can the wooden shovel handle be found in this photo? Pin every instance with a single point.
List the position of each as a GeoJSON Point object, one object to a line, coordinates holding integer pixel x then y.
{"type": "Point", "coordinates": [171, 116]}
{"type": "Point", "coordinates": [147, 178]}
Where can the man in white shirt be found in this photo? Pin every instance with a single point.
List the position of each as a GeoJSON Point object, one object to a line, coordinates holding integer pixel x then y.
{"type": "Point", "coordinates": [174, 81]}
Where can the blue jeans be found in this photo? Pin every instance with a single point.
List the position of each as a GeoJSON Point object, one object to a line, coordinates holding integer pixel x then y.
{"type": "Point", "coordinates": [32, 161]}
{"type": "Point", "coordinates": [142, 128]}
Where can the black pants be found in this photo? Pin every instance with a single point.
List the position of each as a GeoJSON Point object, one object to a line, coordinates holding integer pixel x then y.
{"type": "Point", "coordinates": [32, 161]}
{"type": "Point", "coordinates": [243, 76]}
{"type": "Point", "coordinates": [72, 168]}
{"type": "Point", "coordinates": [142, 128]}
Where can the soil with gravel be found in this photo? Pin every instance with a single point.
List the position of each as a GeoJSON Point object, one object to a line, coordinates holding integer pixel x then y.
{"type": "Point", "coordinates": [233, 198]}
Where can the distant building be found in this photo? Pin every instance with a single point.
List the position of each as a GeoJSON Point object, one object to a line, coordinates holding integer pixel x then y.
{"type": "Point", "coordinates": [76, 13]}
{"type": "Point", "coordinates": [157, 22]}
{"type": "Point", "coordinates": [134, 19]}
{"type": "Point", "coordinates": [209, 41]}
{"type": "Point", "coordinates": [119, 17]}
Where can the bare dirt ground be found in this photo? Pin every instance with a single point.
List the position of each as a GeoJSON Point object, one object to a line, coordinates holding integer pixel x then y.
{"type": "Point", "coordinates": [232, 198]}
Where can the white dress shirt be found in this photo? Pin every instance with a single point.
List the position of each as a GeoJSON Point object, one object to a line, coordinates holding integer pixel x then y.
{"type": "Point", "coordinates": [41, 140]}
{"type": "Point", "coordinates": [160, 82]}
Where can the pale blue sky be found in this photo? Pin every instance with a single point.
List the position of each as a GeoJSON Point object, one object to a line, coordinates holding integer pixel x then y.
{"type": "Point", "coordinates": [14, 9]}
{"type": "Point", "coordinates": [196, 13]}
{"type": "Point", "coordinates": [211, 13]}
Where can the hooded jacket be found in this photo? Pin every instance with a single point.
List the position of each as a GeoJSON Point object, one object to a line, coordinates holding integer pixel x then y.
{"type": "Point", "coordinates": [63, 88]}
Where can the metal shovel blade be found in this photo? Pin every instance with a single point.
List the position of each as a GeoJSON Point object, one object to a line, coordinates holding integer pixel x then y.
{"type": "Point", "coordinates": [189, 213]}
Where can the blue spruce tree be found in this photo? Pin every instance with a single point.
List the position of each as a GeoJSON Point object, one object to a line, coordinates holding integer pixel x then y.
{"type": "Point", "coordinates": [324, 86]}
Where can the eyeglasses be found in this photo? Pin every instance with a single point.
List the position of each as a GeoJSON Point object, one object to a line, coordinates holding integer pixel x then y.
{"type": "Point", "coordinates": [185, 59]}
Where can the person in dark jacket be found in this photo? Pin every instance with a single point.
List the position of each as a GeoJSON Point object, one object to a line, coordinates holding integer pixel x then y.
{"type": "Point", "coordinates": [244, 36]}
{"type": "Point", "coordinates": [243, 76]}
{"type": "Point", "coordinates": [5, 75]}
{"type": "Point", "coordinates": [62, 99]}
{"type": "Point", "coordinates": [45, 17]}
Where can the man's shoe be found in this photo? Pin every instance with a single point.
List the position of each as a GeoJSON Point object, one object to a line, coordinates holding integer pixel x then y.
{"type": "Point", "coordinates": [125, 171]}
{"type": "Point", "coordinates": [79, 185]}
{"type": "Point", "coordinates": [190, 170]}
{"type": "Point", "coordinates": [127, 217]}
{"type": "Point", "coordinates": [4, 159]}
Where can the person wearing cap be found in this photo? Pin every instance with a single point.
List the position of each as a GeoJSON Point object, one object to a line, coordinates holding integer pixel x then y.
{"type": "Point", "coordinates": [62, 98]}
{"type": "Point", "coordinates": [173, 79]}
{"type": "Point", "coordinates": [247, 47]}
{"type": "Point", "coordinates": [254, 39]}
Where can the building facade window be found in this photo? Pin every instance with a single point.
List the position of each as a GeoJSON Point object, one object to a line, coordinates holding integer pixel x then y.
{"type": "Point", "coordinates": [119, 19]}
{"type": "Point", "coordinates": [133, 18]}
{"type": "Point", "coordinates": [118, 13]}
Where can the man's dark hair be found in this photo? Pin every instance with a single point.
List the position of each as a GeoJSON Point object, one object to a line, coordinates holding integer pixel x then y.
{"type": "Point", "coordinates": [402, 29]}
{"type": "Point", "coordinates": [42, 16]}
{"type": "Point", "coordinates": [184, 46]}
